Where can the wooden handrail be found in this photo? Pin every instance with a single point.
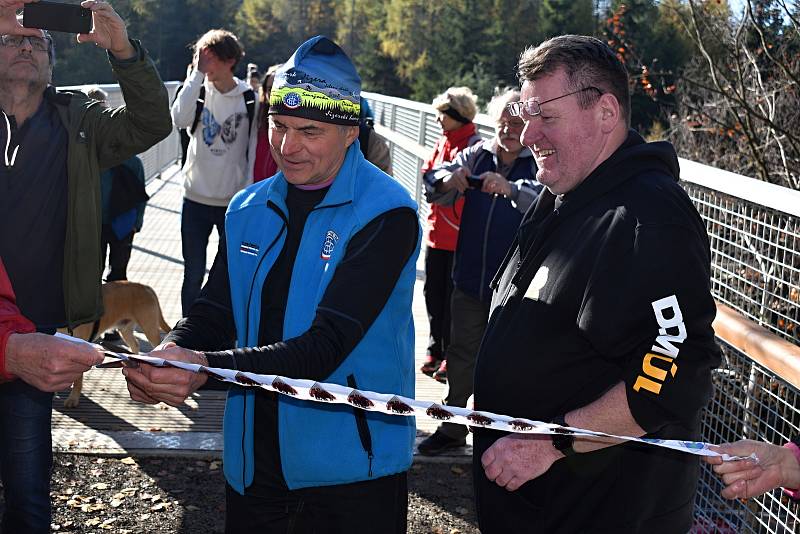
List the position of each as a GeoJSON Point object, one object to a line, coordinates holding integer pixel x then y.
{"type": "Point", "coordinates": [776, 354]}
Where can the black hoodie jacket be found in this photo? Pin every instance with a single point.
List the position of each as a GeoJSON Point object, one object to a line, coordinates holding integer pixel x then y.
{"type": "Point", "coordinates": [612, 285]}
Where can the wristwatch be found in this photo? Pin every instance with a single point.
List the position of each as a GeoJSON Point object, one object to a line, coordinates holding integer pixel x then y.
{"type": "Point", "coordinates": [563, 440]}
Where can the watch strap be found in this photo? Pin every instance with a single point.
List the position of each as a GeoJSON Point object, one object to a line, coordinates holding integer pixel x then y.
{"type": "Point", "coordinates": [563, 440]}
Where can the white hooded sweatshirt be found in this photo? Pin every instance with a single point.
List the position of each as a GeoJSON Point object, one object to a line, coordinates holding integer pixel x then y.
{"type": "Point", "coordinates": [216, 161]}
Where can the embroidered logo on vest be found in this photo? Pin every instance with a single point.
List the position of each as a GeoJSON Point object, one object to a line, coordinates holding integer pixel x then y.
{"type": "Point", "coordinates": [331, 238]}
{"type": "Point", "coordinates": [248, 248]}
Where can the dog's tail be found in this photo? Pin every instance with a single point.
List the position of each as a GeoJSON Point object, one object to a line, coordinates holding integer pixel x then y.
{"type": "Point", "coordinates": [162, 324]}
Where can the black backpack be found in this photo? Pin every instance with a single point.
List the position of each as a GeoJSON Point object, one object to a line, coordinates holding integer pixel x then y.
{"type": "Point", "coordinates": [365, 127]}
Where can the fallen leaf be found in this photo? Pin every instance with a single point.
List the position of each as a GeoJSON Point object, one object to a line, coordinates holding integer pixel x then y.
{"type": "Point", "coordinates": [128, 461]}
{"type": "Point", "coordinates": [93, 522]}
{"type": "Point", "coordinates": [456, 470]}
{"type": "Point", "coordinates": [116, 503]}
{"type": "Point", "coordinates": [93, 507]}
{"type": "Point", "coordinates": [144, 517]}
{"type": "Point", "coordinates": [99, 486]}
{"type": "Point", "coordinates": [158, 507]}
{"type": "Point", "coordinates": [213, 466]}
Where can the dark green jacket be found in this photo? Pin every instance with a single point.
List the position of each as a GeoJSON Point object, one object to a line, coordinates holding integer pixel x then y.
{"type": "Point", "coordinates": [100, 138]}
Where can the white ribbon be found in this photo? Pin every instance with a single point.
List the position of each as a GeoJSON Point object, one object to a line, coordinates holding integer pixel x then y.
{"type": "Point", "coordinates": [399, 405]}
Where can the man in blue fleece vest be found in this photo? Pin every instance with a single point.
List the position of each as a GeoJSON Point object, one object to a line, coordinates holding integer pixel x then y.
{"type": "Point", "coordinates": [316, 283]}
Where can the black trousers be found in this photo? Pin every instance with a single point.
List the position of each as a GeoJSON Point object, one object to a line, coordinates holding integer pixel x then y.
{"type": "Point", "coordinates": [438, 290]}
{"type": "Point", "coordinates": [119, 253]}
{"type": "Point", "coordinates": [379, 506]}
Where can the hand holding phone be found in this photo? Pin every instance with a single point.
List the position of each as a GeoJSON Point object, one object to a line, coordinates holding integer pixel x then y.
{"type": "Point", "coordinates": [58, 17]}
{"type": "Point", "coordinates": [109, 30]}
{"type": "Point", "coordinates": [474, 181]}
{"type": "Point", "coordinates": [8, 19]}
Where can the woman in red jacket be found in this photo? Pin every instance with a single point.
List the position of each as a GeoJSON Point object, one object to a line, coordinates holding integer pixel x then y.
{"type": "Point", "coordinates": [455, 109]}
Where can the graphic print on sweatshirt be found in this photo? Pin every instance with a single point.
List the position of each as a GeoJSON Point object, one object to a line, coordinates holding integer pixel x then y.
{"type": "Point", "coordinates": [227, 131]}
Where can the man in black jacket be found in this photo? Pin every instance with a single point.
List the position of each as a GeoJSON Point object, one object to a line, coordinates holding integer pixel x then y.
{"type": "Point", "coordinates": [602, 310]}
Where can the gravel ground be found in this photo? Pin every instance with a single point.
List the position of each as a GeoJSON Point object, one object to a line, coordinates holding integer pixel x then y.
{"type": "Point", "coordinates": [180, 495]}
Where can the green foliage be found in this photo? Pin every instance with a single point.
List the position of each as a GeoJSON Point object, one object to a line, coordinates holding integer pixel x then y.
{"type": "Point", "coordinates": [559, 17]}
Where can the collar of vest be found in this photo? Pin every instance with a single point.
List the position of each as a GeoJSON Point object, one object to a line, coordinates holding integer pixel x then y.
{"type": "Point", "coordinates": [342, 190]}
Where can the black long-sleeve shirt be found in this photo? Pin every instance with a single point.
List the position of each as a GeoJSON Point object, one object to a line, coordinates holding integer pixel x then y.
{"type": "Point", "coordinates": [352, 301]}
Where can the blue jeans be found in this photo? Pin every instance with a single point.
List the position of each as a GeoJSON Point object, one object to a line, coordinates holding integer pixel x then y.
{"type": "Point", "coordinates": [197, 220]}
{"type": "Point", "coordinates": [26, 457]}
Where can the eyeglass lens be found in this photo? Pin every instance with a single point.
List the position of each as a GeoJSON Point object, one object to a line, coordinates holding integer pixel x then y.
{"type": "Point", "coordinates": [15, 41]}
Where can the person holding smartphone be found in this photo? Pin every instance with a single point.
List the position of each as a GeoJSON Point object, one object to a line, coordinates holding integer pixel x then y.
{"type": "Point", "coordinates": [495, 179]}
{"type": "Point", "coordinates": [55, 144]}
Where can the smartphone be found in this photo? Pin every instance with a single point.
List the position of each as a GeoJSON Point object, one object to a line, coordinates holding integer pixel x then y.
{"type": "Point", "coordinates": [57, 17]}
{"type": "Point", "coordinates": [474, 181]}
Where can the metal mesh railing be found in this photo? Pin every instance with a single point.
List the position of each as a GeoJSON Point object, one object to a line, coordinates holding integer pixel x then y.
{"type": "Point", "coordinates": [755, 247]}
{"type": "Point", "coordinates": [750, 402]}
{"type": "Point", "coordinates": [755, 263]}
{"type": "Point", "coordinates": [160, 156]}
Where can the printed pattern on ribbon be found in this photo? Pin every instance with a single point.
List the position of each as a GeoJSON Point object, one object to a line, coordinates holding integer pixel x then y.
{"type": "Point", "coordinates": [394, 404]}
{"type": "Point", "coordinates": [397, 405]}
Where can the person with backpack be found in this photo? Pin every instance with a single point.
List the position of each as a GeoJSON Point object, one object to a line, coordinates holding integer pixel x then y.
{"type": "Point", "coordinates": [124, 197]}
{"type": "Point", "coordinates": [218, 110]}
{"type": "Point", "coordinates": [373, 146]}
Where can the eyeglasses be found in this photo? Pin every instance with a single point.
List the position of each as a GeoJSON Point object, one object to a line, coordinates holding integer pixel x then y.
{"type": "Point", "coordinates": [511, 125]}
{"type": "Point", "coordinates": [15, 41]}
{"type": "Point", "coordinates": [533, 107]}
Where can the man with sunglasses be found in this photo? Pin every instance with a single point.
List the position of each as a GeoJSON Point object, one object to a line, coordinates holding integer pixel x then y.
{"type": "Point", "coordinates": [55, 143]}
{"type": "Point", "coordinates": [603, 310]}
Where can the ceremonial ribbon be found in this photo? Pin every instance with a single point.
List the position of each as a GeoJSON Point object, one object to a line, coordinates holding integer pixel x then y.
{"type": "Point", "coordinates": [310, 390]}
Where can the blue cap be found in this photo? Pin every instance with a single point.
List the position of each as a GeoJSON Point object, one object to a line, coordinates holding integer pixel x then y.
{"type": "Point", "coordinates": [319, 82]}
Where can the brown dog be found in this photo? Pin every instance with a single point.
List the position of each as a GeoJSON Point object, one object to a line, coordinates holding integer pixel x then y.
{"type": "Point", "coordinates": [126, 304]}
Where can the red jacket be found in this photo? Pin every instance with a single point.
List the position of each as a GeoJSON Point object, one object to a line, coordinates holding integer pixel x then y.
{"type": "Point", "coordinates": [443, 221]}
{"type": "Point", "coordinates": [265, 165]}
{"type": "Point", "coordinates": [11, 320]}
